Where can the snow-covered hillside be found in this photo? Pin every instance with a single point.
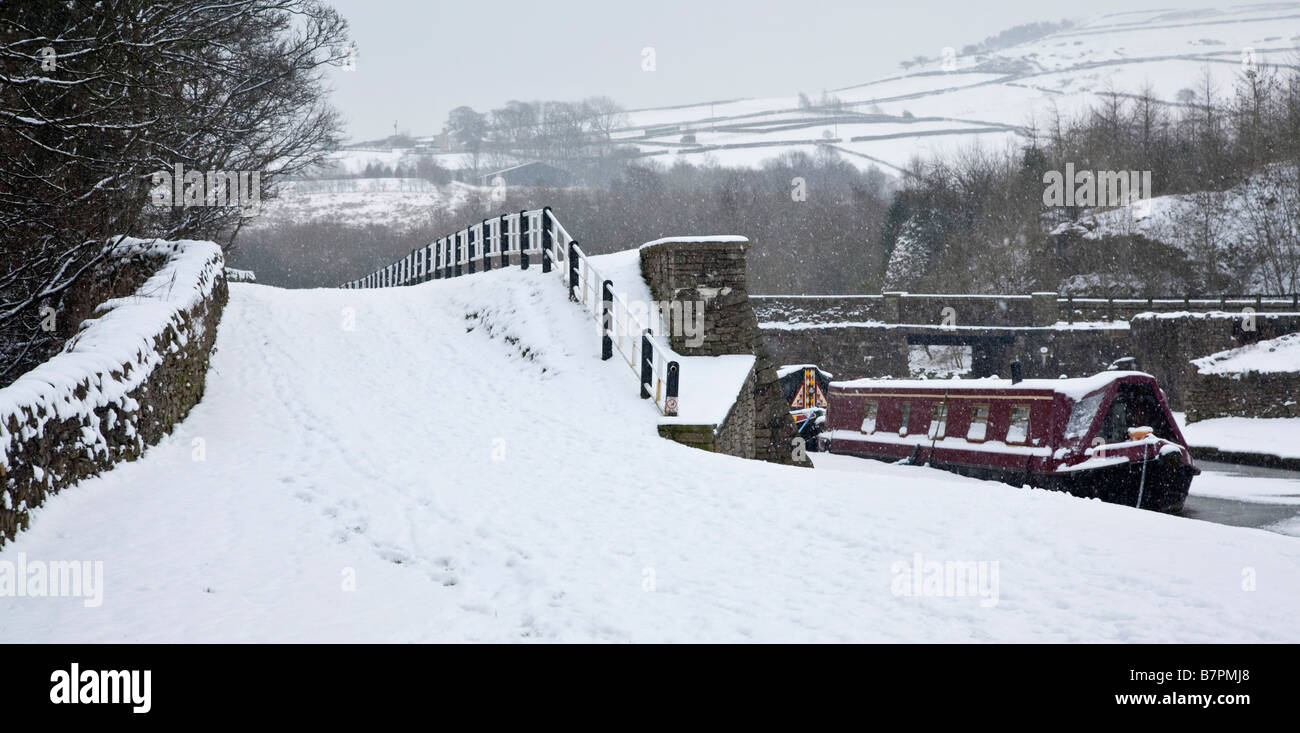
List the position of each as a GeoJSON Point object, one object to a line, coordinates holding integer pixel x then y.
{"type": "Point", "coordinates": [938, 108]}
{"type": "Point", "coordinates": [1251, 231]}
{"type": "Point", "coordinates": [1281, 354]}
{"type": "Point", "coordinates": [948, 103]}
{"type": "Point", "coordinates": [400, 203]}
{"type": "Point", "coordinates": [452, 461]}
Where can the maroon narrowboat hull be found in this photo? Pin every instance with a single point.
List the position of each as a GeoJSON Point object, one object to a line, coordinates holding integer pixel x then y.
{"type": "Point", "coordinates": [1164, 488]}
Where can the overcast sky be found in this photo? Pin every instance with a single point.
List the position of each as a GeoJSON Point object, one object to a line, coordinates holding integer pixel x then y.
{"type": "Point", "coordinates": [420, 58]}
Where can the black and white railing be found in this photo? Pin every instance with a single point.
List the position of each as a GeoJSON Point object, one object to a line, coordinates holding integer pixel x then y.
{"type": "Point", "coordinates": [536, 235]}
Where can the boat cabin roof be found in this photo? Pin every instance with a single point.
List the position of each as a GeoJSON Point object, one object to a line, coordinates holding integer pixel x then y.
{"type": "Point", "coordinates": [1073, 389]}
{"type": "Point", "coordinates": [1068, 411]}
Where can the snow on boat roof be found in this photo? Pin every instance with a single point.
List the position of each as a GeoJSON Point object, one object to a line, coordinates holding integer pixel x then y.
{"type": "Point", "coordinates": [1074, 388]}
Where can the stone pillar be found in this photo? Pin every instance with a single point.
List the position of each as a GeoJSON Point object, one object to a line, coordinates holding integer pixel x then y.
{"type": "Point", "coordinates": [1044, 309]}
{"type": "Point", "coordinates": [894, 306]}
{"type": "Point", "coordinates": [711, 270]}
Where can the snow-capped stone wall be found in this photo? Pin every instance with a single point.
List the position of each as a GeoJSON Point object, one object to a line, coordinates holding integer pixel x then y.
{"type": "Point", "coordinates": [1261, 379]}
{"type": "Point", "coordinates": [120, 384]}
{"type": "Point", "coordinates": [1166, 344]}
{"type": "Point", "coordinates": [711, 270]}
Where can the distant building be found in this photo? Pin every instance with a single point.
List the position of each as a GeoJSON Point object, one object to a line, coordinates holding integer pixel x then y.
{"type": "Point", "coordinates": [535, 173]}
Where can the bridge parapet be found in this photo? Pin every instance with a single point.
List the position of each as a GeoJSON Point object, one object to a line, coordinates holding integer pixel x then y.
{"type": "Point", "coordinates": [704, 275]}
{"type": "Point", "coordinates": [537, 236]}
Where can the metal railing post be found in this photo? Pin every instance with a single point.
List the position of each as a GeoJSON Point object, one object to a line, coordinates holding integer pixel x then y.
{"type": "Point", "coordinates": [523, 240]}
{"type": "Point", "coordinates": [503, 229]}
{"type": "Point", "coordinates": [647, 364]}
{"type": "Point", "coordinates": [606, 320]}
{"type": "Point", "coordinates": [670, 398]}
{"type": "Point", "coordinates": [574, 281]}
{"type": "Point", "coordinates": [458, 247]}
{"type": "Point", "coordinates": [469, 249]}
{"type": "Point", "coordinates": [546, 239]}
{"type": "Point", "coordinates": [487, 250]}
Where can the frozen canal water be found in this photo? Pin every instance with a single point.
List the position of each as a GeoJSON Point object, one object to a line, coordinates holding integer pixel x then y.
{"type": "Point", "coordinates": [1246, 496]}
{"type": "Point", "coordinates": [1224, 493]}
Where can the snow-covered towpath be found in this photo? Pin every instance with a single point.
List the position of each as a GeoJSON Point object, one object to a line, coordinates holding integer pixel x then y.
{"type": "Point", "coordinates": [452, 462]}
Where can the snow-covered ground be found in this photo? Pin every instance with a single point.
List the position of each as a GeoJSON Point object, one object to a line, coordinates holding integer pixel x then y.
{"type": "Point", "coordinates": [354, 161]}
{"type": "Point", "coordinates": [1281, 354]}
{"type": "Point", "coordinates": [1271, 436]}
{"type": "Point", "coordinates": [457, 453]}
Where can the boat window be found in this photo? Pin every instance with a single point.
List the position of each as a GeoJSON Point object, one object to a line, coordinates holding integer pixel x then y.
{"type": "Point", "coordinates": [1135, 405]}
{"type": "Point", "coordinates": [979, 422]}
{"type": "Point", "coordinates": [907, 417]}
{"type": "Point", "coordinates": [939, 420]}
{"type": "Point", "coordinates": [1115, 428]}
{"type": "Point", "coordinates": [869, 418]}
{"type": "Point", "coordinates": [1018, 428]}
{"type": "Point", "coordinates": [1085, 411]}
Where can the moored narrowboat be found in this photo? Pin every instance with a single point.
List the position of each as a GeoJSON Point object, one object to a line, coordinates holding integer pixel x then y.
{"type": "Point", "coordinates": [804, 387]}
{"type": "Point", "coordinates": [1110, 436]}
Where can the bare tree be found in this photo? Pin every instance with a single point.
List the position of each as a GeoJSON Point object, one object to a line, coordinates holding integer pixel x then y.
{"type": "Point", "coordinates": [97, 98]}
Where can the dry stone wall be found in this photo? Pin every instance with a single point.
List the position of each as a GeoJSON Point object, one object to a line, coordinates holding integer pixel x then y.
{"type": "Point", "coordinates": [119, 386]}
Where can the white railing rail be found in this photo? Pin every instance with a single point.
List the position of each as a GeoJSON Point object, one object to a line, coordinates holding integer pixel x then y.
{"type": "Point", "coordinates": [635, 334]}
